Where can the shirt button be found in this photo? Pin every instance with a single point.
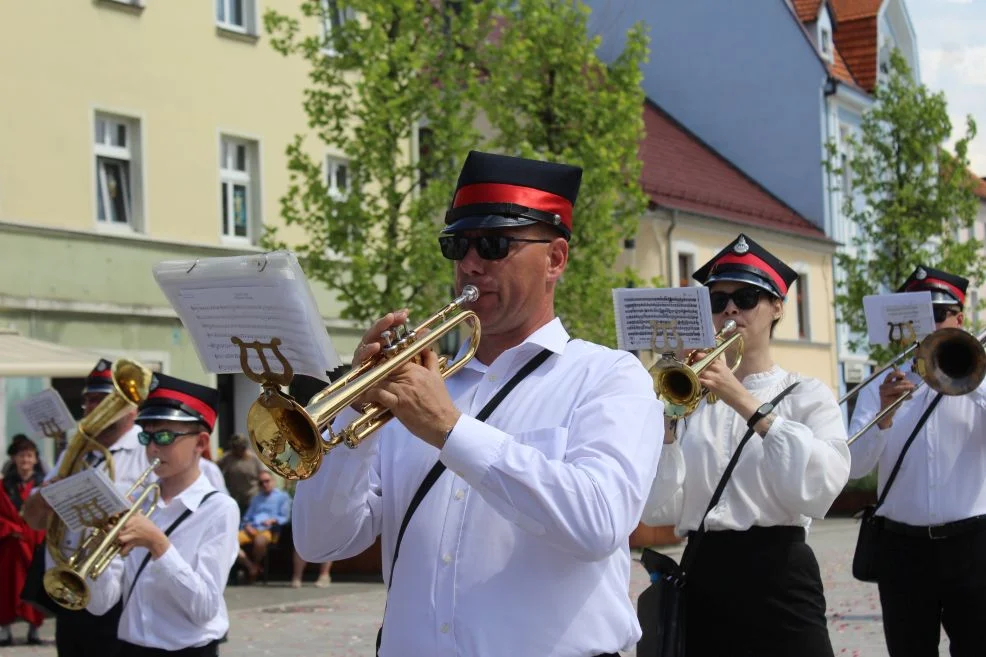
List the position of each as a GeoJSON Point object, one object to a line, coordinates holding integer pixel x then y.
{"type": "Point", "coordinates": [491, 378]}
{"type": "Point", "coordinates": [459, 494]}
{"type": "Point", "coordinates": [447, 558]}
{"type": "Point", "coordinates": [444, 628]}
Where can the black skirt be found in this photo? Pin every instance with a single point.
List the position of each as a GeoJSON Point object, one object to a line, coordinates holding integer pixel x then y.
{"type": "Point", "coordinates": [756, 593]}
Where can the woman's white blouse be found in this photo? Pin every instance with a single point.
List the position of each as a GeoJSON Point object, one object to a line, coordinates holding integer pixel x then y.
{"type": "Point", "coordinates": [787, 477]}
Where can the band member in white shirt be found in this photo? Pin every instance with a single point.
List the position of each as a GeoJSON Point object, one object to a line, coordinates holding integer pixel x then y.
{"type": "Point", "coordinates": [932, 559]}
{"type": "Point", "coordinates": [174, 564]}
{"type": "Point", "coordinates": [79, 633]}
{"type": "Point", "coordinates": [754, 587]}
{"type": "Point", "coordinates": [521, 548]}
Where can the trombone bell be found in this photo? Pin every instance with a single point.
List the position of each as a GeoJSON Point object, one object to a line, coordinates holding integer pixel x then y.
{"type": "Point", "coordinates": [288, 437]}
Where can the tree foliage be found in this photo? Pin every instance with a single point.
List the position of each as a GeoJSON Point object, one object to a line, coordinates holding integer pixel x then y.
{"type": "Point", "coordinates": [550, 96]}
{"type": "Point", "coordinates": [530, 67]}
{"type": "Point", "coordinates": [909, 196]}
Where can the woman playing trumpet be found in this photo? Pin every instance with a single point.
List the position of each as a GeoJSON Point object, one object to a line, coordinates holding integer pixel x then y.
{"type": "Point", "coordinates": [753, 587]}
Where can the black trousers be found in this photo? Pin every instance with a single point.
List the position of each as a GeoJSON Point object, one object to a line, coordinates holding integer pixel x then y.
{"type": "Point", "coordinates": [81, 634]}
{"type": "Point", "coordinates": [928, 584]}
{"type": "Point", "coordinates": [133, 650]}
{"type": "Point", "coordinates": [756, 593]}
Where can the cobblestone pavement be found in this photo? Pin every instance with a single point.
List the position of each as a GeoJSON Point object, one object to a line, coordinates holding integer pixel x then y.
{"type": "Point", "coordinates": [340, 621]}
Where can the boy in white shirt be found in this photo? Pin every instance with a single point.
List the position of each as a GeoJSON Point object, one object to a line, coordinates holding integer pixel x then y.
{"type": "Point", "coordinates": [174, 564]}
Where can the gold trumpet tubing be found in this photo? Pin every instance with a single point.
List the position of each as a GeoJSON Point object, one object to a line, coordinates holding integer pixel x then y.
{"type": "Point", "coordinates": [375, 416]}
{"type": "Point", "coordinates": [110, 553]}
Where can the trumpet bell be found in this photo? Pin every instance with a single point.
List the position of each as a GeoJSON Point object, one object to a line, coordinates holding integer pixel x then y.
{"type": "Point", "coordinates": [66, 587]}
{"type": "Point", "coordinates": [284, 436]}
{"type": "Point", "coordinates": [951, 361]}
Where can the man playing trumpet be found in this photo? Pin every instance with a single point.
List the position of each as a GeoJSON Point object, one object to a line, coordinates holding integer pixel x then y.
{"type": "Point", "coordinates": [521, 549]}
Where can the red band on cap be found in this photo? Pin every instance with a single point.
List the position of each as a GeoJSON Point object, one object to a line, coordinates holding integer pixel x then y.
{"type": "Point", "coordinates": [753, 261]}
{"type": "Point", "coordinates": [196, 404]}
{"type": "Point", "coordinates": [924, 284]}
{"type": "Point", "coordinates": [526, 196]}
{"type": "Point", "coordinates": [101, 374]}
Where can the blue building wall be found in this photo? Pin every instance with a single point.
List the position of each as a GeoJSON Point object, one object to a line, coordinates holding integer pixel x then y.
{"type": "Point", "coordinates": [743, 76]}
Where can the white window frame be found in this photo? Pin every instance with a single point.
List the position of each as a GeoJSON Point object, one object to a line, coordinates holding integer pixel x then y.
{"type": "Point", "coordinates": [332, 166]}
{"type": "Point", "coordinates": [802, 289]}
{"type": "Point", "coordinates": [248, 9]}
{"type": "Point", "coordinates": [229, 177]}
{"type": "Point", "coordinates": [129, 155]}
{"type": "Point", "coordinates": [690, 256]}
{"type": "Point", "coordinates": [825, 43]}
{"type": "Point", "coordinates": [327, 24]}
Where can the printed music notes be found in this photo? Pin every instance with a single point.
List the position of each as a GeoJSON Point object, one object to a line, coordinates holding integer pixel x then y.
{"type": "Point", "coordinates": [255, 299]}
{"type": "Point", "coordinates": [660, 318]}
{"type": "Point", "coordinates": [900, 318]}
{"type": "Point", "coordinates": [86, 499]}
{"type": "Point", "coordinates": [46, 414]}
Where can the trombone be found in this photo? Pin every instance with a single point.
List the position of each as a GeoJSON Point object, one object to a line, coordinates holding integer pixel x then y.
{"type": "Point", "coordinates": [676, 382]}
{"type": "Point", "coordinates": [950, 361]}
{"type": "Point", "coordinates": [288, 437]}
{"type": "Point", "coordinates": [66, 584]}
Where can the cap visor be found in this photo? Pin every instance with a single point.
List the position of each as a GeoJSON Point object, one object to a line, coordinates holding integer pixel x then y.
{"type": "Point", "coordinates": [742, 277]}
{"type": "Point", "coordinates": [167, 415]}
{"type": "Point", "coordinates": [486, 222]}
{"type": "Point", "coordinates": [99, 388]}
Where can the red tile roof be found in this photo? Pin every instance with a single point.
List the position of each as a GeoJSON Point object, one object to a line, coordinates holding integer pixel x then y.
{"type": "Point", "coordinates": [838, 68]}
{"type": "Point", "coordinates": [847, 10]}
{"type": "Point", "coordinates": [856, 40]}
{"type": "Point", "coordinates": [682, 172]}
{"type": "Point", "coordinates": [807, 10]}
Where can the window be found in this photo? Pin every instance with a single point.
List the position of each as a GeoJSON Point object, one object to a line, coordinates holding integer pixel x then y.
{"type": "Point", "coordinates": [333, 16]}
{"type": "Point", "coordinates": [117, 148]}
{"type": "Point", "coordinates": [801, 303]}
{"type": "Point", "coordinates": [426, 137]}
{"type": "Point", "coordinates": [337, 177]}
{"type": "Point", "coordinates": [825, 43]}
{"type": "Point", "coordinates": [686, 267]}
{"type": "Point", "coordinates": [237, 177]}
{"type": "Point", "coordinates": [236, 15]}
{"type": "Point", "coordinates": [845, 159]}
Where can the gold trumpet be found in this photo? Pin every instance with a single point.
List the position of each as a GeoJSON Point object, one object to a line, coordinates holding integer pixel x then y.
{"type": "Point", "coordinates": [66, 584]}
{"type": "Point", "coordinates": [288, 437]}
{"type": "Point", "coordinates": [131, 383]}
{"type": "Point", "coordinates": [676, 382]}
{"type": "Point", "coordinates": [950, 361]}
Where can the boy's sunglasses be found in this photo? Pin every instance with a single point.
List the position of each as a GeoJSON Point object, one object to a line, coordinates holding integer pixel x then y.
{"type": "Point", "coordinates": [488, 247]}
{"type": "Point", "coordinates": [745, 298]}
{"type": "Point", "coordinates": [942, 313]}
{"type": "Point", "coordinates": [162, 438]}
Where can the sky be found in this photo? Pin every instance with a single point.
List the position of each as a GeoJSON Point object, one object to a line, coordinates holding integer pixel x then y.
{"type": "Point", "coordinates": [951, 38]}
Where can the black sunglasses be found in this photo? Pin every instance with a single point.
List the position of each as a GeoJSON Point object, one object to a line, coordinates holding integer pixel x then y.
{"type": "Point", "coordinates": [745, 298]}
{"type": "Point", "coordinates": [942, 313]}
{"type": "Point", "coordinates": [162, 438]}
{"type": "Point", "coordinates": [488, 247]}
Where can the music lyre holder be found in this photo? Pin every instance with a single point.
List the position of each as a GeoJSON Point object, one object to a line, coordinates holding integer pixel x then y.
{"type": "Point", "coordinates": [50, 429]}
{"type": "Point", "coordinates": [267, 377]}
{"type": "Point", "coordinates": [667, 331]}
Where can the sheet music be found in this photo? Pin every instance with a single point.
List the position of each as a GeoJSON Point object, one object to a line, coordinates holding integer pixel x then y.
{"type": "Point", "coordinates": [911, 309]}
{"type": "Point", "coordinates": [46, 413]}
{"type": "Point", "coordinates": [252, 298]}
{"type": "Point", "coordinates": [637, 309]}
{"type": "Point", "coordinates": [85, 499]}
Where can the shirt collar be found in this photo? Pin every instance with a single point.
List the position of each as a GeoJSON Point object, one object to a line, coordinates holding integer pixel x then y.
{"type": "Point", "coordinates": [127, 441]}
{"type": "Point", "coordinates": [192, 496]}
{"type": "Point", "coordinates": [551, 336]}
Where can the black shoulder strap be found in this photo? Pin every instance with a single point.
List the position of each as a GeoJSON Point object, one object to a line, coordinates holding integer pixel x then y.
{"type": "Point", "coordinates": [695, 539]}
{"type": "Point", "coordinates": [439, 467]}
{"type": "Point", "coordinates": [167, 532]}
{"type": "Point", "coordinates": [903, 451]}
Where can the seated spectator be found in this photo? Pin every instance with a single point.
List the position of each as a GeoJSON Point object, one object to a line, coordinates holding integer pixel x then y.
{"type": "Point", "coordinates": [241, 468]}
{"type": "Point", "coordinates": [269, 510]}
{"type": "Point", "coordinates": [17, 540]}
{"type": "Point", "coordinates": [299, 570]}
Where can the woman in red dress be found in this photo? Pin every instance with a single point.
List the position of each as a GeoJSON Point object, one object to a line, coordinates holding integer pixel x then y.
{"type": "Point", "coordinates": [17, 540]}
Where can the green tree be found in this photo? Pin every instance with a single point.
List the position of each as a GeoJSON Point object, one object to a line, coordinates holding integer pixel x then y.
{"type": "Point", "coordinates": [394, 91]}
{"type": "Point", "coordinates": [909, 197]}
{"type": "Point", "coordinates": [548, 95]}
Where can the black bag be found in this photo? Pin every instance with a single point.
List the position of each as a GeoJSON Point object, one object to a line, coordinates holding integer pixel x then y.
{"type": "Point", "coordinates": [864, 560]}
{"type": "Point", "coordinates": [661, 607]}
{"type": "Point", "coordinates": [34, 592]}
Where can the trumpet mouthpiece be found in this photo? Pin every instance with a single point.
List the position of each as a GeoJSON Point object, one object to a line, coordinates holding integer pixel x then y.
{"type": "Point", "coordinates": [469, 294]}
{"type": "Point", "coordinates": [729, 326]}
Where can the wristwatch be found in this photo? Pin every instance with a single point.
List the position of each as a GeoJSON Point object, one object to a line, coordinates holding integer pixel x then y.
{"type": "Point", "coordinates": [760, 414]}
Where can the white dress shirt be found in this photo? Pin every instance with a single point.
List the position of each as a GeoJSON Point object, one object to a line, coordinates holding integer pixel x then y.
{"type": "Point", "coordinates": [942, 477]}
{"type": "Point", "coordinates": [129, 462]}
{"type": "Point", "coordinates": [787, 477]}
{"type": "Point", "coordinates": [178, 600]}
{"type": "Point", "coordinates": [213, 474]}
{"type": "Point", "coordinates": [521, 549]}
